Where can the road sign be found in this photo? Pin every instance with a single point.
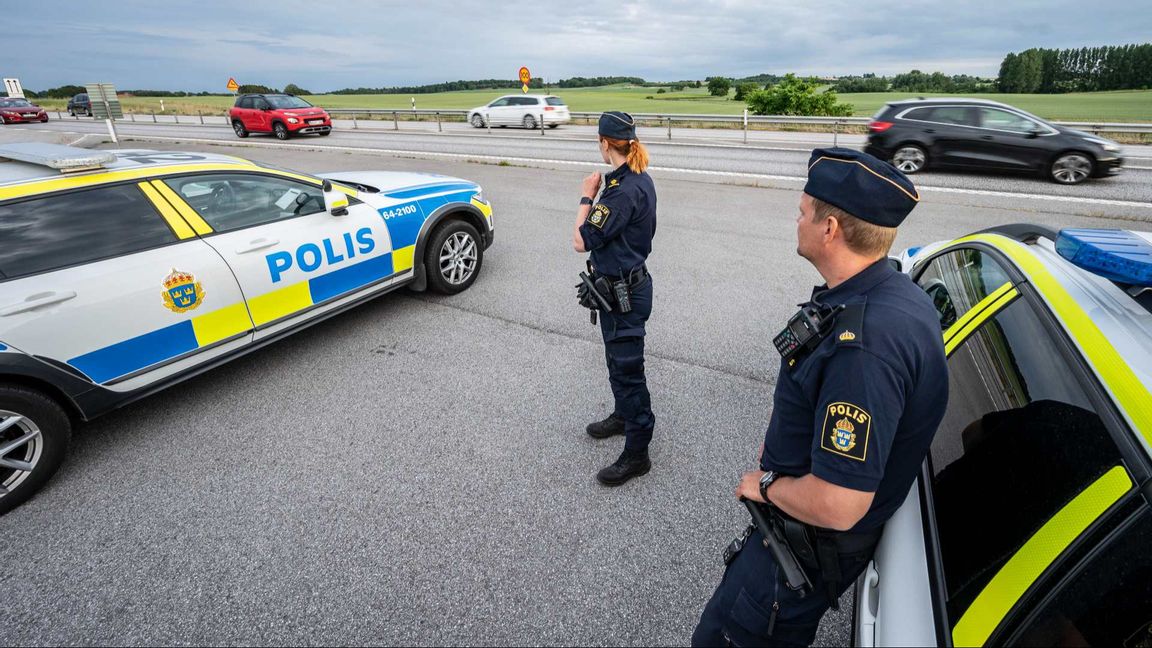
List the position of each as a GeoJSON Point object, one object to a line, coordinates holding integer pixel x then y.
{"type": "Point", "coordinates": [525, 78]}
{"type": "Point", "coordinates": [12, 87]}
{"type": "Point", "coordinates": [232, 85]}
{"type": "Point", "coordinates": [105, 104]}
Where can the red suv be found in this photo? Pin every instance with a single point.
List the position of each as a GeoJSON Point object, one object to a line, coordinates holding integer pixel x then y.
{"type": "Point", "coordinates": [280, 114]}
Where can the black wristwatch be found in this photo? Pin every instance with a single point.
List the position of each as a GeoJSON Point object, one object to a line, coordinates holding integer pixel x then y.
{"type": "Point", "coordinates": [585, 200]}
{"type": "Point", "coordinates": [766, 481]}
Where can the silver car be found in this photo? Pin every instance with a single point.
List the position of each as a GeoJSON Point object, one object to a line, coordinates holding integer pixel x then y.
{"type": "Point", "coordinates": [527, 110]}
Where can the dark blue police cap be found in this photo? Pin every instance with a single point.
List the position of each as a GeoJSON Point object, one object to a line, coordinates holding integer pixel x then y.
{"type": "Point", "coordinates": [864, 186]}
{"type": "Point", "coordinates": [618, 125]}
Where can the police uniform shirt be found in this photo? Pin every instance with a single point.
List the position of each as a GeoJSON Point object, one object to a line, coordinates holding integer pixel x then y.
{"type": "Point", "coordinates": [619, 229]}
{"type": "Point", "coordinates": [861, 409]}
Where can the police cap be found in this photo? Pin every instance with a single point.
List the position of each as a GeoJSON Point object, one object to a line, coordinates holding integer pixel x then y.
{"type": "Point", "coordinates": [864, 186]}
{"type": "Point", "coordinates": [618, 125]}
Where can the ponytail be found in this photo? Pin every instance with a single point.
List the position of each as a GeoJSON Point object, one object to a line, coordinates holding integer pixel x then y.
{"type": "Point", "coordinates": [635, 154]}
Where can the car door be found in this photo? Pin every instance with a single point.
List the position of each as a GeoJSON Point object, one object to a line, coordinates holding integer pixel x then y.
{"type": "Point", "coordinates": [261, 115]}
{"type": "Point", "coordinates": [294, 260]}
{"type": "Point", "coordinates": [1011, 141]}
{"type": "Point", "coordinates": [111, 283]}
{"type": "Point", "coordinates": [951, 130]}
{"type": "Point", "coordinates": [497, 112]}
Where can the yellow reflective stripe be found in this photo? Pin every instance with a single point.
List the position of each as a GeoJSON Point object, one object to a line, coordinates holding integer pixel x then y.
{"type": "Point", "coordinates": [484, 208]}
{"type": "Point", "coordinates": [94, 179]}
{"type": "Point", "coordinates": [272, 306]}
{"type": "Point", "coordinates": [979, 316]}
{"type": "Point", "coordinates": [1021, 571]}
{"type": "Point", "coordinates": [342, 201]}
{"type": "Point", "coordinates": [976, 310]}
{"type": "Point", "coordinates": [1118, 378]}
{"type": "Point", "coordinates": [221, 324]}
{"type": "Point", "coordinates": [402, 258]}
{"type": "Point", "coordinates": [198, 224]}
{"type": "Point", "coordinates": [178, 225]}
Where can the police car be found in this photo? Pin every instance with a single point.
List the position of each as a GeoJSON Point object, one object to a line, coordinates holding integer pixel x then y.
{"type": "Point", "coordinates": [123, 272]}
{"type": "Point", "coordinates": [1031, 520]}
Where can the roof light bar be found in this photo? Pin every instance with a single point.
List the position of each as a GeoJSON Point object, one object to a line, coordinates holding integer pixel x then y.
{"type": "Point", "coordinates": [66, 159]}
{"type": "Point", "coordinates": [1119, 255]}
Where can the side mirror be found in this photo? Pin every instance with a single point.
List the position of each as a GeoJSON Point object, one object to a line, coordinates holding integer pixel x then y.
{"type": "Point", "coordinates": [1035, 132]}
{"type": "Point", "coordinates": [336, 202]}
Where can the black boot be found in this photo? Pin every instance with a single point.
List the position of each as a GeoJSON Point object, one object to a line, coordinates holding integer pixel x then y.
{"type": "Point", "coordinates": [609, 427]}
{"type": "Point", "coordinates": [629, 465]}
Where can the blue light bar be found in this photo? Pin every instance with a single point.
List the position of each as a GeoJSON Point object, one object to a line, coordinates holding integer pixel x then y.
{"type": "Point", "coordinates": [1118, 255]}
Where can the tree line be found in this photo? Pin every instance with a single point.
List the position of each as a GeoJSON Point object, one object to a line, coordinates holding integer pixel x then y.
{"type": "Point", "coordinates": [916, 81]}
{"type": "Point", "coordinates": [1085, 69]}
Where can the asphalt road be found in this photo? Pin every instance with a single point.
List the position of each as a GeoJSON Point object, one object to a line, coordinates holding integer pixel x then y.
{"type": "Point", "coordinates": [415, 471]}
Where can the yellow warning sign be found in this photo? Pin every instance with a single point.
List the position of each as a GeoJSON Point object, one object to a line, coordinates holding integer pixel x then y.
{"type": "Point", "coordinates": [525, 77]}
{"type": "Point", "coordinates": [232, 85]}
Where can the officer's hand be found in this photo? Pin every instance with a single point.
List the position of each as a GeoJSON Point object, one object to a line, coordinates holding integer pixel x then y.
{"type": "Point", "coordinates": [749, 487]}
{"type": "Point", "coordinates": [592, 185]}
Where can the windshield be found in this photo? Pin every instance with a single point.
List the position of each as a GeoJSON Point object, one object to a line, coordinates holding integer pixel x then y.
{"type": "Point", "coordinates": [283, 101]}
{"type": "Point", "coordinates": [14, 103]}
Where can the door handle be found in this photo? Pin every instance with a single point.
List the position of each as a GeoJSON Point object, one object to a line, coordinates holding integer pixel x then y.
{"type": "Point", "coordinates": [986, 137]}
{"type": "Point", "coordinates": [258, 244]}
{"type": "Point", "coordinates": [39, 300]}
{"type": "Point", "coordinates": [867, 607]}
{"type": "Point", "coordinates": [929, 130]}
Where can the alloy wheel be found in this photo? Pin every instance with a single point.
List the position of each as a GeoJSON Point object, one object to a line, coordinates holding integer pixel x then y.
{"type": "Point", "coordinates": [458, 258]}
{"type": "Point", "coordinates": [21, 446]}
{"type": "Point", "coordinates": [909, 159]}
{"type": "Point", "coordinates": [1072, 168]}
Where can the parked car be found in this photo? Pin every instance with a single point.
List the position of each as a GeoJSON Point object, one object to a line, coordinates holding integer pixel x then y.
{"type": "Point", "coordinates": [282, 115]}
{"type": "Point", "coordinates": [1029, 522]}
{"type": "Point", "coordinates": [917, 134]}
{"type": "Point", "coordinates": [15, 110]}
{"type": "Point", "coordinates": [124, 272]}
{"type": "Point", "coordinates": [527, 110]}
{"type": "Point", "coordinates": [80, 104]}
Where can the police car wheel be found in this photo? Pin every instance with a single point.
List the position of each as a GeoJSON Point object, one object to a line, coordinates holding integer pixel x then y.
{"type": "Point", "coordinates": [1071, 168]}
{"type": "Point", "coordinates": [34, 436]}
{"type": "Point", "coordinates": [910, 158]}
{"type": "Point", "coordinates": [281, 131]}
{"type": "Point", "coordinates": [238, 126]}
{"type": "Point", "coordinates": [477, 121]}
{"type": "Point", "coordinates": [529, 122]}
{"type": "Point", "coordinates": [454, 257]}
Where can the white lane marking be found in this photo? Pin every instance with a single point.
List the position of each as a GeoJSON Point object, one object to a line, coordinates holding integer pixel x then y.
{"type": "Point", "coordinates": [595, 165]}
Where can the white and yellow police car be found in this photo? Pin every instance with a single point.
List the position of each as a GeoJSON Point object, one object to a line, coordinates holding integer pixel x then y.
{"type": "Point", "coordinates": [123, 272]}
{"type": "Point", "coordinates": [1031, 521]}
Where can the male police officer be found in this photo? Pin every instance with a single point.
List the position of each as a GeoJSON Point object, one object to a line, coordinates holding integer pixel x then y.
{"type": "Point", "coordinates": [862, 387]}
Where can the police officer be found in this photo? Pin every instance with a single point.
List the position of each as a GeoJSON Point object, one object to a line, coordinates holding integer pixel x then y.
{"type": "Point", "coordinates": [617, 228]}
{"type": "Point", "coordinates": [854, 410]}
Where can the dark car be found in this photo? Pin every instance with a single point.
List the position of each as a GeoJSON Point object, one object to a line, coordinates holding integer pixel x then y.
{"type": "Point", "coordinates": [283, 115]}
{"type": "Point", "coordinates": [80, 104]}
{"type": "Point", "coordinates": [16, 110]}
{"type": "Point", "coordinates": [987, 136]}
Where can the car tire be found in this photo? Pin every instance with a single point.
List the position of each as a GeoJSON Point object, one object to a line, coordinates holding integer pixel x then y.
{"type": "Point", "coordinates": [70, 113]}
{"type": "Point", "coordinates": [529, 122]}
{"type": "Point", "coordinates": [280, 131]}
{"type": "Point", "coordinates": [238, 126]}
{"type": "Point", "coordinates": [3, 120]}
{"type": "Point", "coordinates": [1071, 168]}
{"type": "Point", "coordinates": [910, 158]}
{"type": "Point", "coordinates": [477, 121]}
{"type": "Point", "coordinates": [89, 111]}
{"type": "Point", "coordinates": [553, 125]}
{"type": "Point", "coordinates": [48, 431]}
{"type": "Point", "coordinates": [453, 258]}
{"type": "Point", "coordinates": [325, 133]}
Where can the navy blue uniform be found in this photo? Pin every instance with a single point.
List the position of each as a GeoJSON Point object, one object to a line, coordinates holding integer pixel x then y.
{"type": "Point", "coordinates": [860, 412]}
{"type": "Point", "coordinates": [618, 233]}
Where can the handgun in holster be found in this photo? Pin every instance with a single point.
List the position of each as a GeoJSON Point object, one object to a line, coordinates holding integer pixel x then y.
{"type": "Point", "coordinates": [776, 540]}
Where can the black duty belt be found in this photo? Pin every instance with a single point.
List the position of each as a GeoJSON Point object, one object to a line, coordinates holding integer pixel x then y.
{"type": "Point", "coordinates": [634, 277]}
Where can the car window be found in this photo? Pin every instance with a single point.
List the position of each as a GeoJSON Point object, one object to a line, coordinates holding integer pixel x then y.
{"type": "Point", "coordinates": [244, 102]}
{"type": "Point", "coordinates": [1107, 602]}
{"type": "Point", "coordinates": [1007, 121]}
{"type": "Point", "coordinates": [499, 103]}
{"type": "Point", "coordinates": [555, 101]}
{"type": "Point", "coordinates": [958, 280]}
{"type": "Point", "coordinates": [1020, 439]}
{"type": "Point", "coordinates": [260, 103]}
{"type": "Point", "coordinates": [958, 115]}
{"type": "Point", "coordinates": [919, 114]}
{"type": "Point", "coordinates": [14, 103]}
{"type": "Point", "coordinates": [59, 231]}
{"type": "Point", "coordinates": [234, 201]}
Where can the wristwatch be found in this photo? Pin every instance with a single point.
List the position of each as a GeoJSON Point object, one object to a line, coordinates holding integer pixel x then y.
{"type": "Point", "coordinates": [766, 481]}
{"type": "Point", "coordinates": [585, 200]}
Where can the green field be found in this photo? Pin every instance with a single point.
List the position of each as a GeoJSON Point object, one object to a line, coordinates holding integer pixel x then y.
{"type": "Point", "coordinates": [1121, 106]}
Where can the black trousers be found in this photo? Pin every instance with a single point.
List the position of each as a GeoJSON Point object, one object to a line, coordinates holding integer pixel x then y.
{"type": "Point", "coordinates": [753, 607]}
{"type": "Point", "coordinates": [624, 354]}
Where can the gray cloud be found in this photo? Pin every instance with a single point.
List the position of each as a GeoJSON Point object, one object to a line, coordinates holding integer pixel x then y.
{"type": "Point", "coordinates": [350, 43]}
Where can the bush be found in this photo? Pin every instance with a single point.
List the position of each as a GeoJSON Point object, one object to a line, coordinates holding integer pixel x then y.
{"type": "Point", "coordinates": [793, 96]}
{"type": "Point", "coordinates": [744, 89]}
{"type": "Point", "coordinates": [661, 91]}
{"type": "Point", "coordinates": [719, 86]}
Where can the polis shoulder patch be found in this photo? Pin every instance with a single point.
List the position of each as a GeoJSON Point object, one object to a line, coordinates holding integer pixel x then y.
{"type": "Point", "coordinates": [599, 216]}
{"type": "Point", "coordinates": [845, 432]}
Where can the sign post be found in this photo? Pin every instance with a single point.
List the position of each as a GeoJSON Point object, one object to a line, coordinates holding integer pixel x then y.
{"type": "Point", "coordinates": [525, 78]}
{"type": "Point", "coordinates": [105, 105]}
{"type": "Point", "coordinates": [12, 87]}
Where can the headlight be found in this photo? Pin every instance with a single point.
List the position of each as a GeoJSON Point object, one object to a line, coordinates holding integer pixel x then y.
{"type": "Point", "coordinates": [480, 197]}
{"type": "Point", "coordinates": [1104, 144]}
{"type": "Point", "coordinates": [293, 120]}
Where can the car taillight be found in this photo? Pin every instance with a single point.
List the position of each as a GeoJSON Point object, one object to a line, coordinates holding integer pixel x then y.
{"type": "Point", "coordinates": [879, 126]}
{"type": "Point", "coordinates": [549, 107]}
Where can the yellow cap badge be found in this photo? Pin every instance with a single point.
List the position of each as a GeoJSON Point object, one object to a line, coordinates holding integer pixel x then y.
{"type": "Point", "coordinates": [847, 336]}
{"type": "Point", "coordinates": [182, 292]}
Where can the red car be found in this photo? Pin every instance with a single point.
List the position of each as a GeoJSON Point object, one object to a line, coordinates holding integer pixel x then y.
{"type": "Point", "coordinates": [280, 114]}
{"type": "Point", "coordinates": [15, 110]}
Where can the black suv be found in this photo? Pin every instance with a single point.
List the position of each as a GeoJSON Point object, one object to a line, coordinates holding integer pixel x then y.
{"type": "Point", "coordinates": [80, 104]}
{"type": "Point", "coordinates": [986, 135]}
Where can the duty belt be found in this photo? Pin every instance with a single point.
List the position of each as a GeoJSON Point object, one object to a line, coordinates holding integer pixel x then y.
{"type": "Point", "coordinates": [634, 277]}
{"type": "Point", "coordinates": [820, 549]}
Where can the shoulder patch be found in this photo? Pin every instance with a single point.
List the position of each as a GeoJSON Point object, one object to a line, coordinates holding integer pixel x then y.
{"type": "Point", "coordinates": [845, 432]}
{"type": "Point", "coordinates": [599, 216]}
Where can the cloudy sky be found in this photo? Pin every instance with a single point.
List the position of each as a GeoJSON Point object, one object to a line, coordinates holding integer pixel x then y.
{"type": "Point", "coordinates": [325, 45]}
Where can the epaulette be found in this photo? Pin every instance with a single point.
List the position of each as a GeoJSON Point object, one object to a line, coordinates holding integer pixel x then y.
{"type": "Point", "coordinates": [849, 327]}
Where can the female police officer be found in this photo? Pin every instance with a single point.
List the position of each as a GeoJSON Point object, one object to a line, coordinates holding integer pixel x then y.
{"type": "Point", "coordinates": [617, 229]}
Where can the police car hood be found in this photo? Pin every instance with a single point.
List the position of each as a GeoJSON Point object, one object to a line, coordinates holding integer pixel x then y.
{"type": "Point", "coordinates": [393, 181]}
